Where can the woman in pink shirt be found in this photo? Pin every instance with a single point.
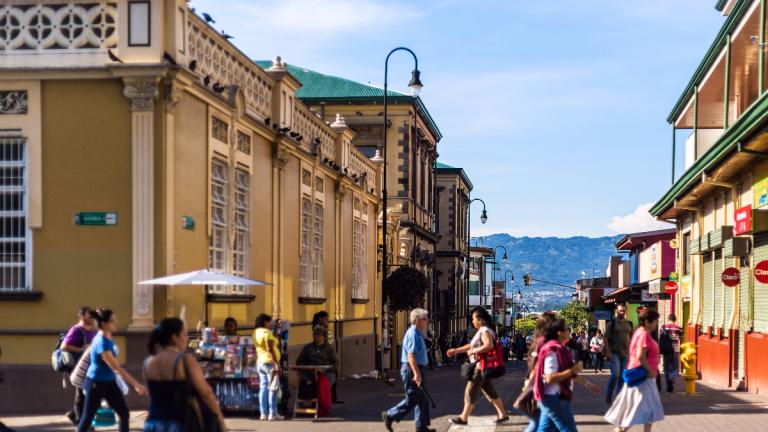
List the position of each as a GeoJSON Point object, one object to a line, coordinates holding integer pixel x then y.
{"type": "Point", "coordinates": [640, 405]}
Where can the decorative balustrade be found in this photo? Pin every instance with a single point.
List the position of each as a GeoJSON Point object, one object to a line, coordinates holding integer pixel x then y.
{"type": "Point", "coordinates": [223, 64]}
{"type": "Point", "coordinates": [306, 123]}
{"type": "Point", "coordinates": [360, 165]}
{"type": "Point", "coordinates": [65, 26]}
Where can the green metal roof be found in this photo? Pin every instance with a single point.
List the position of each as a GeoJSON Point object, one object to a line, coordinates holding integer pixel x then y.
{"type": "Point", "coordinates": [743, 129]}
{"type": "Point", "coordinates": [731, 22]}
{"type": "Point", "coordinates": [460, 171]}
{"type": "Point", "coordinates": [318, 87]}
{"type": "Point", "coordinates": [720, 5]}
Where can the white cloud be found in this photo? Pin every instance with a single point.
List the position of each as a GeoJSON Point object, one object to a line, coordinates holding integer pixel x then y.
{"type": "Point", "coordinates": [638, 221]}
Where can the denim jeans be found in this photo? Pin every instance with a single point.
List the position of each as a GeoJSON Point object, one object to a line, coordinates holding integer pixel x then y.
{"type": "Point", "coordinates": [556, 415]}
{"type": "Point", "coordinates": [267, 398]}
{"type": "Point", "coordinates": [95, 392]}
{"type": "Point", "coordinates": [671, 366]}
{"type": "Point", "coordinates": [163, 426]}
{"type": "Point", "coordinates": [597, 360]}
{"type": "Point", "coordinates": [415, 400]}
{"type": "Point", "coordinates": [618, 364]}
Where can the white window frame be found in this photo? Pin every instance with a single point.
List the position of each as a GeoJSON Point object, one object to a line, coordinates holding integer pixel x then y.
{"type": "Point", "coordinates": [241, 251]}
{"type": "Point", "coordinates": [220, 224]}
{"type": "Point", "coordinates": [312, 234]}
{"type": "Point", "coordinates": [23, 213]}
{"type": "Point", "coordinates": [359, 249]}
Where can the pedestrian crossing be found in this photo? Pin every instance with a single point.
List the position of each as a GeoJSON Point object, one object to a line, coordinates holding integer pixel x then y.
{"type": "Point", "coordinates": [476, 424]}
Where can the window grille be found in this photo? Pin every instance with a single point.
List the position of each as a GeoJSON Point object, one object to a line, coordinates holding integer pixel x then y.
{"type": "Point", "coordinates": [16, 239]}
{"type": "Point", "coordinates": [219, 219]}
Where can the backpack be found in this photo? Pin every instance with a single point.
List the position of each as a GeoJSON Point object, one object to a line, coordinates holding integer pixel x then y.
{"type": "Point", "coordinates": [64, 361]}
{"type": "Point", "coordinates": [665, 343]}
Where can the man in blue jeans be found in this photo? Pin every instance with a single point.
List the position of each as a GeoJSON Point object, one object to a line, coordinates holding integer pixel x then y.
{"type": "Point", "coordinates": [414, 361]}
{"type": "Point", "coordinates": [617, 334]}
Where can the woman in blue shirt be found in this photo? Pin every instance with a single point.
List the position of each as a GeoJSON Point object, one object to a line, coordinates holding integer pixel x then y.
{"type": "Point", "coordinates": [101, 378]}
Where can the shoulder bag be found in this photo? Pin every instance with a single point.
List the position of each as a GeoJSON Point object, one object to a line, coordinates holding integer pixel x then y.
{"type": "Point", "coordinates": [468, 370]}
{"type": "Point", "coordinates": [197, 416]}
{"type": "Point", "coordinates": [492, 363]}
{"type": "Point", "coordinates": [77, 377]}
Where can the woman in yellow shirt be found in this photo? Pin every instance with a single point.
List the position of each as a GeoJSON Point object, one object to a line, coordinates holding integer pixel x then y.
{"type": "Point", "coordinates": [268, 362]}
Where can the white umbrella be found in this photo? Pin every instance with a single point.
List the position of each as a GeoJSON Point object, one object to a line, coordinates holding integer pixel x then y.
{"type": "Point", "coordinates": [202, 277]}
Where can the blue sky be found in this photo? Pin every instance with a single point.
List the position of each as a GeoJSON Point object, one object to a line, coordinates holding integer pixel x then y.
{"type": "Point", "coordinates": [555, 109]}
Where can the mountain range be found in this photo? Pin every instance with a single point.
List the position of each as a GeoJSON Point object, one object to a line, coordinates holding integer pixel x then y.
{"type": "Point", "coordinates": [551, 259]}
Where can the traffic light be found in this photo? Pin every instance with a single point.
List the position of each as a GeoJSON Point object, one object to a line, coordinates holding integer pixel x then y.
{"type": "Point", "coordinates": [527, 279]}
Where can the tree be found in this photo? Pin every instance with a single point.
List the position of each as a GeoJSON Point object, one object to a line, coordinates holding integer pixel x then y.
{"type": "Point", "coordinates": [405, 289]}
{"type": "Point", "coordinates": [575, 314]}
{"type": "Point", "coordinates": [526, 325]}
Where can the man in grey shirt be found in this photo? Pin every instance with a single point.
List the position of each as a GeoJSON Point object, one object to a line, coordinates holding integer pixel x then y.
{"type": "Point", "coordinates": [617, 334]}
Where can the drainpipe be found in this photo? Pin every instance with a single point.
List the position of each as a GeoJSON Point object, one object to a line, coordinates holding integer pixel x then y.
{"type": "Point", "coordinates": [673, 153]}
{"type": "Point", "coordinates": [696, 123]}
{"type": "Point", "coordinates": [761, 51]}
{"type": "Point", "coordinates": [727, 97]}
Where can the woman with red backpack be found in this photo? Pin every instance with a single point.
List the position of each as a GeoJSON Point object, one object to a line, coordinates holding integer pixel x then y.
{"type": "Point", "coordinates": [486, 363]}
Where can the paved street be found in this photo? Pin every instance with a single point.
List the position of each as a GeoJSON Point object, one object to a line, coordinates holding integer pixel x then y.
{"type": "Point", "coordinates": [710, 410]}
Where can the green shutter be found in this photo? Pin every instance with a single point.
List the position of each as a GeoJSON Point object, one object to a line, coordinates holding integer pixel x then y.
{"type": "Point", "coordinates": [718, 289]}
{"type": "Point", "coordinates": [730, 293]}
{"type": "Point", "coordinates": [706, 290]}
{"type": "Point", "coordinates": [760, 290]}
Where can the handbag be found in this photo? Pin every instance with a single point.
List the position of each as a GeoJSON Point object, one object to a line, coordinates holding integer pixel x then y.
{"type": "Point", "coordinates": [197, 417]}
{"type": "Point", "coordinates": [77, 377]}
{"type": "Point", "coordinates": [526, 403]}
{"type": "Point", "coordinates": [492, 362]}
{"type": "Point", "coordinates": [468, 370]}
{"type": "Point", "coordinates": [635, 376]}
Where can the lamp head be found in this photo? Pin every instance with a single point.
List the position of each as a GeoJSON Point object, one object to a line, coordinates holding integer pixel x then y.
{"type": "Point", "coordinates": [484, 217]}
{"type": "Point", "coordinates": [415, 83]}
{"type": "Point", "coordinates": [505, 258]}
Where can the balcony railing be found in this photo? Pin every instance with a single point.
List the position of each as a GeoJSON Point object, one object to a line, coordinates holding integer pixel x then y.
{"type": "Point", "coordinates": [221, 62]}
{"type": "Point", "coordinates": [306, 123]}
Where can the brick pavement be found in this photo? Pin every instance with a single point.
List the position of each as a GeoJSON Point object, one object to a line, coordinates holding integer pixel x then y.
{"type": "Point", "coordinates": [712, 409]}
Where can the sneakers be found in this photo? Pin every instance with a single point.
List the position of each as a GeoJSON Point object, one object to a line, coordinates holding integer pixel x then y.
{"type": "Point", "coordinates": [275, 417]}
{"type": "Point", "coordinates": [387, 420]}
{"type": "Point", "coordinates": [263, 417]}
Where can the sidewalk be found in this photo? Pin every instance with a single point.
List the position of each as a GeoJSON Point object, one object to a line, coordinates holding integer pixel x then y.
{"type": "Point", "coordinates": [365, 399]}
{"type": "Point", "coordinates": [711, 409]}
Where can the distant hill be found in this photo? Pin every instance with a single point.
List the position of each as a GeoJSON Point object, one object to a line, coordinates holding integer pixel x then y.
{"type": "Point", "coordinates": [560, 260]}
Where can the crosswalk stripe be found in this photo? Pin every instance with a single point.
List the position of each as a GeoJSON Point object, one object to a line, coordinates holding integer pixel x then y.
{"type": "Point", "coordinates": [476, 424]}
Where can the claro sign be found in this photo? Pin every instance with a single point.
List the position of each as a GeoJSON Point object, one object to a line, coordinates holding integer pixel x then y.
{"type": "Point", "coordinates": [761, 272]}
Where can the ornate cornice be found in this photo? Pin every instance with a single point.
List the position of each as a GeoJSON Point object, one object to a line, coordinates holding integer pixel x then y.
{"type": "Point", "coordinates": [142, 93]}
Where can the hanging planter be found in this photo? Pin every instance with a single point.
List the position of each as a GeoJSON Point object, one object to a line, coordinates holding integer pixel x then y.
{"type": "Point", "coordinates": [405, 289]}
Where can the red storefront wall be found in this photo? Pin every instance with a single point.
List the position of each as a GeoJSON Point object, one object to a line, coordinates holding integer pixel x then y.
{"type": "Point", "coordinates": [715, 358]}
{"type": "Point", "coordinates": [756, 352]}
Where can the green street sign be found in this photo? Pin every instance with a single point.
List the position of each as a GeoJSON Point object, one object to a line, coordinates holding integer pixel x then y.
{"type": "Point", "coordinates": [96, 218]}
{"type": "Point", "coordinates": [188, 222]}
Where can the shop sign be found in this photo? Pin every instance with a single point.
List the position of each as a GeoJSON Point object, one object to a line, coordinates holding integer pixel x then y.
{"type": "Point", "coordinates": [685, 287]}
{"type": "Point", "coordinates": [731, 276]}
{"type": "Point", "coordinates": [602, 315]}
{"type": "Point", "coordinates": [674, 276]}
{"type": "Point", "coordinates": [645, 296]}
{"type": "Point", "coordinates": [188, 222]}
{"type": "Point", "coordinates": [761, 272]}
{"type": "Point", "coordinates": [670, 287]}
{"type": "Point", "coordinates": [655, 271]}
{"type": "Point", "coordinates": [654, 286]}
{"type": "Point", "coordinates": [742, 220]}
{"type": "Point", "coordinates": [761, 193]}
{"type": "Point", "coordinates": [96, 218]}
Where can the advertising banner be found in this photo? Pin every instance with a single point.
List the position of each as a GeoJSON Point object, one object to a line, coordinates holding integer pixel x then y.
{"type": "Point", "coordinates": [742, 219]}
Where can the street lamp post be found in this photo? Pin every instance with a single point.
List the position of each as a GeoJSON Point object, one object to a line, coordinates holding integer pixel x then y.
{"type": "Point", "coordinates": [415, 85]}
{"type": "Point", "coordinates": [511, 279]}
{"type": "Point", "coordinates": [483, 219]}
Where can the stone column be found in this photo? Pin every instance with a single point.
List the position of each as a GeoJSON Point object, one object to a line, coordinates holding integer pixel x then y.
{"type": "Point", "coordinates": [142, 93]}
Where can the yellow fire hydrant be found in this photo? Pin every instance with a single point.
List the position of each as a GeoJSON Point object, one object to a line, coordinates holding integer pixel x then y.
{"type": "Point", "coordinates": [688, 360]}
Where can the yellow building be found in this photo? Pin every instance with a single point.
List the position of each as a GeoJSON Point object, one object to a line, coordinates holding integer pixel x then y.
{"type": "Point", "coordinates": [412, 137]}
{"type": "Point", "coordinates": [138, 142]}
